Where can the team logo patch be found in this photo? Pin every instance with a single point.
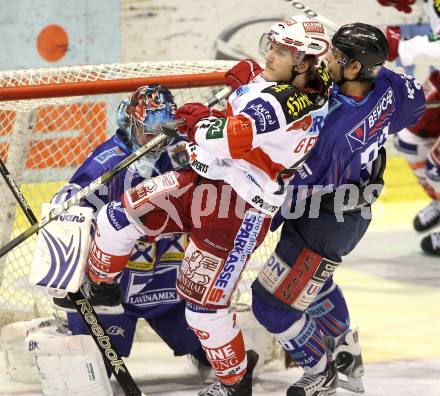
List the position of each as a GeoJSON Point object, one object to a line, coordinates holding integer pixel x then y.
{"type": "Point", "coordinates": [143, 256]}
{"type": "Point", "coordinates": [107, 154]}
{"type": "Point", "coordinates": [289, 21]}
{"type": "Point", "coordinates": [374, 122]}
{"type": "Point", "coordinates": [313, 27]}
{"type": "Point", "coordinates": [147, 289]}
{"type": "Point", "coordinates": [178, 154]}
{"type": "Point", "coordinates": [116, 331]}
{"type": "Point", "coordinates": [198, 271]}
{"type": "Point", "coordinates": [273, 273]}
{"type": "Point", "coordinates": [215, 130]}
{"type": "Point", "coordinates": [263, 114]}
{"type": "Point", "coordinates": [176, 249]}
{"type": "Point", "coordinates": [320, 309]}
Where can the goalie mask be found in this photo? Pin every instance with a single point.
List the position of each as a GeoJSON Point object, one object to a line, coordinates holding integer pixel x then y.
{"type": "Point", "coordinates": [300, 35]}
{"type": "Point", "coordinates": [141, 116]}
{"type": "Point", "coordinates": [139, 119]}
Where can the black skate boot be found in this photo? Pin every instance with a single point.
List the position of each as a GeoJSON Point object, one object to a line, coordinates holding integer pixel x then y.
{"type": "Point", "coordinates": [322, 384]}
{"type": "Point", "coordinates": [428, 217]}
{"type": "Point", "coordinates": [243, 388]}
{"type": "Point", "coordinates": [431, 244]}
{"type": "Point", "coordinates": [105, 298]}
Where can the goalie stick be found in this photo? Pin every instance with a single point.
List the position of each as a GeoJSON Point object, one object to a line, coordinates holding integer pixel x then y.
{"type": "Point", "coordinates": [85, 310]}
{"type": "Point", "coordinates": [107, 176]}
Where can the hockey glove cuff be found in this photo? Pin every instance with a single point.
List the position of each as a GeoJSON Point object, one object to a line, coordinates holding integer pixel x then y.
{"type": "Point", "coordinates": [192, 113]}
{"type": "Point", "coordinates": [242, 73]}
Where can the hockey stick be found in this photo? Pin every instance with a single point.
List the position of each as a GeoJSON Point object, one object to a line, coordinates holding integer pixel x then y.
{"type": "Point", "coordinates": [433, 104]}
{"type": "Point", "coordinates": [84, 308]}
{"type": "Point", "coordinates": [107, 176]}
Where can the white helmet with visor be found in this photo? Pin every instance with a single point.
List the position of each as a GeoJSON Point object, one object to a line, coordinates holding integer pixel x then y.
{"type": "Point", "coordinates": [299, 34]}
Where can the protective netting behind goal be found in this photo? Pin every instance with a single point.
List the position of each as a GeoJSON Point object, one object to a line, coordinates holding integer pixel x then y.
{"type": "Point", "coordinates": [44, 140]}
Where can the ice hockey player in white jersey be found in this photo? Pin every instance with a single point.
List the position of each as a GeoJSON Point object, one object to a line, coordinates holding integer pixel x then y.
{"type": "Point", "coordinates": [420, 144]}
{"type": "Point", "coordinates": [240, 162]}
{"type": "Point", "coordinates": [148, 282]}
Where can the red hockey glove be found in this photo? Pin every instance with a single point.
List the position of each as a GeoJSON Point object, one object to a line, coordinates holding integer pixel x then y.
{"type": "Point", "coordinates": [400, 5]}
{"type": "Point", "coordinates": [192, 113]}
{"type": "Point", "coordinates": [393, 35]}
{"type": "Point", "coordinates": [242, 73]}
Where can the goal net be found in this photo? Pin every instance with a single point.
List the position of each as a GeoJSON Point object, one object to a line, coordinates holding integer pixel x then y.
{"type": "Point", "coordinates": [51, 119]}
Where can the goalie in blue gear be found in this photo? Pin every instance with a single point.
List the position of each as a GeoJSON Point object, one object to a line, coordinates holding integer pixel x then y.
{"type": "Point", "coordinates": [147, 285]}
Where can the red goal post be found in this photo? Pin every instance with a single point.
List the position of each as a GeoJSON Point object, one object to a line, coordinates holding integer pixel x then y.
{"type": "Point", "coordinates": [50, 120]}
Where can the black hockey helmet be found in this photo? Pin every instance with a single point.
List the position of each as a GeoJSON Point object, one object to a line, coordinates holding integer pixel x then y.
{"type": "Point", "coordinates": [364, 43]}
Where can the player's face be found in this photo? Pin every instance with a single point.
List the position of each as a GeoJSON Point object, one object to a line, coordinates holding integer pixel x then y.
{"type": "Point", "coordinates": [334, 58]}
{"type": "Point", "coordinates": [279, 63]}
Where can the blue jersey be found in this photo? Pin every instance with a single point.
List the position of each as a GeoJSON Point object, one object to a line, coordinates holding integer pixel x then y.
{"type": "Point", "coordinates": [354, 131]}
{"type": "Point", "coordinates": [148, 282]}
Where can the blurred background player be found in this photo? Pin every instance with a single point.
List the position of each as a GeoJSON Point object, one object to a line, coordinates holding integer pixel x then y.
{"type": "Point", "coordinates": [420, 144]}
{"type": "Point", "coordinates": [295, 296]}
{"type": "Point", "coordinates": [237, 166]}
{"type": "Point", "coordinates": [148, 282]}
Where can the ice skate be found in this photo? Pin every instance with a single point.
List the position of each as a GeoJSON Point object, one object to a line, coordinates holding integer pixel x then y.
{"type": "Point", "coordinates": [428, 217]}
{"type": "Point", "coordinates": [348, 359]}
{"type": "Point", "coordinates": [431, 244]}
{"type": "Point", "coordinates": [243, 388]}
{"type": "Point", "coordinates": [105, 298]}
{"type": "Point", "coordinates": [323, 384]}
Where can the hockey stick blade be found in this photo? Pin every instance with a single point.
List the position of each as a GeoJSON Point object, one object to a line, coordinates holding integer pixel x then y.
{"type": "Point", "coordinates": [107, 176]}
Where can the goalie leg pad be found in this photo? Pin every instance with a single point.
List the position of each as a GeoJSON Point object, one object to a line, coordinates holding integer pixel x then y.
{"type": "Point", "coordinates": [20, 365]}
{"type": "Point", "coordinates": [221, 339]}
{"type": "Point", "coordinates": [68, 365]}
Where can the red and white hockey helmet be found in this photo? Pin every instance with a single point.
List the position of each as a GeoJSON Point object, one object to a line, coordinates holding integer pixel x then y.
{"type": "Point", "coordinates": [300, 34]}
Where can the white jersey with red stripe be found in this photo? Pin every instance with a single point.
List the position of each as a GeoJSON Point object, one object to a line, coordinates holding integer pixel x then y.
{"type": "Point", "coordinates": [269, 127]}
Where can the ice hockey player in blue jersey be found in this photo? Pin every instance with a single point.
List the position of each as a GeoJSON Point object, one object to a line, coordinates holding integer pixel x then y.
{"type": "Point", "coordinates": [148, 283]}
{"type": "Point", "coordinates": [295, 296]}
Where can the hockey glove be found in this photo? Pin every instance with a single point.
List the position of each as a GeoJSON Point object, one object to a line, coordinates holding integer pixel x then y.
{"type": "Point", "coordinates": [393, 35]}
{"type": "Point", "coordinates": [192, 113]}
{"type": "Point", "coordinates": [242, 73]}
{"type": "Point", "coordinates": [399, 5]}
